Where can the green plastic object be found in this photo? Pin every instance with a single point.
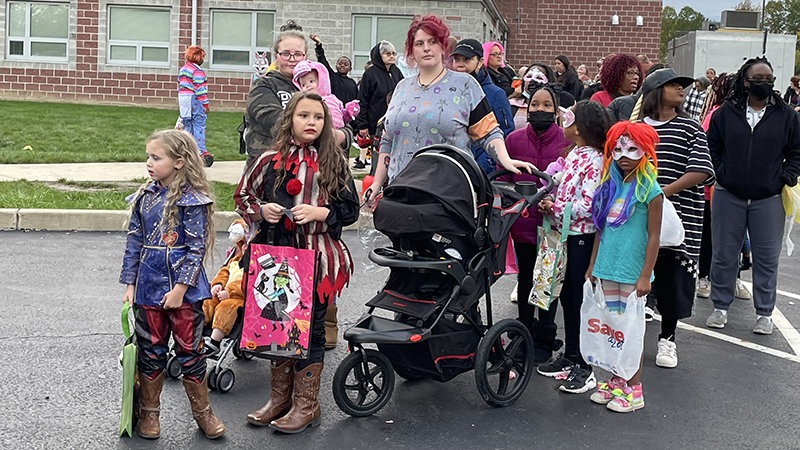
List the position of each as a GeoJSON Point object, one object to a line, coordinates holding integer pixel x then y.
{"type": "Point", "coordinates": [129, 353]}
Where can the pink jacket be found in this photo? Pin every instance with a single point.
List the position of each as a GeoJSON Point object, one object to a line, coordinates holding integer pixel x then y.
{"type": "Point", "coordinates": [323, 89]}
{"type": "Point", "coordinates": [526, 145]}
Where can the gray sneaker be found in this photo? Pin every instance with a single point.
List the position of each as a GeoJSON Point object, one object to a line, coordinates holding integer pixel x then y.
{"type": "Point", "coordinates": [763, 325]}
{"type": "Point", "coordinates": [717, 319]}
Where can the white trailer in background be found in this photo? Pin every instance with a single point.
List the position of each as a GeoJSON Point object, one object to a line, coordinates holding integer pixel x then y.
{"type": "Point", "coordinates": [725, 50]}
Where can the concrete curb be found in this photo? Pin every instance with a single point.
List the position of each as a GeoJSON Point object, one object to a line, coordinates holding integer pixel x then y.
{"type": "Point", "coordinates": [90, 220]}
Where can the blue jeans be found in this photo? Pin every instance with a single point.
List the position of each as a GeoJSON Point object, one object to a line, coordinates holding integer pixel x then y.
{"type": "Point", "coordinates": [196, 125]}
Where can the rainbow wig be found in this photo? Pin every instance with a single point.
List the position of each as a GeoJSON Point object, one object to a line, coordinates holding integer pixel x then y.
{"type": "Point", "coordinates": [612, 181]}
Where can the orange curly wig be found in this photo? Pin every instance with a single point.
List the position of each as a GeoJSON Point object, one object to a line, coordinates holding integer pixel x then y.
{"type": "Point", "coordinates": [195, 54]}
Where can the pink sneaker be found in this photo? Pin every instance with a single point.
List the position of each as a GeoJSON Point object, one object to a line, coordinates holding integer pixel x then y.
{"type": "Point", "coordinates": [603, 394]}
{"type": "Point", "coordinates": [627, 399]}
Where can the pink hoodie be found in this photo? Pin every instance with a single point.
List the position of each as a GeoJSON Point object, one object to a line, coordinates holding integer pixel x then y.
{"type": "Point", "coordinates": [323, 89]}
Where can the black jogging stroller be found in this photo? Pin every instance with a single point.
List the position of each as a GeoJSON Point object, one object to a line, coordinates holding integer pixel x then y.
{"type": "Point", "coordinates": [449, 228]}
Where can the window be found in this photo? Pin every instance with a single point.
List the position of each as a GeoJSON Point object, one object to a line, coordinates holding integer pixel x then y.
{"type": "Point", "coordinates": [237, 35]}
{"type": "Point", "coordinates": [369, 30]}
{"type": "Point", "coordinates": [37, 31]}
{"type": "Point", "coordinates": [138, 36]}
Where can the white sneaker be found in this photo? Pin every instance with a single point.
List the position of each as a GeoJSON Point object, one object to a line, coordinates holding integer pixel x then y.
{"type": "Point", "coordinates": [741, 291]}
{"type": "Point", "coordinates": [514, 293]}
{"type": "Point", "coordinates": [648, 314]}
{"type": "Point", "coordinates": [667, 355]}
{"type": "Point", "coordinates": [703, 288]}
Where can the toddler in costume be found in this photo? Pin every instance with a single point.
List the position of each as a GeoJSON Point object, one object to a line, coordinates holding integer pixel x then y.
{"type": "Point", "coordinates": [226, 289]}
{"type": "Point", "coordinates": [169, 232]}
{"type": "Point", "coordinates": [193, 99]}
{"type": "Point", "coordinates": [626, 210]}
{"type": "Point", "coordinates": [310, 76]}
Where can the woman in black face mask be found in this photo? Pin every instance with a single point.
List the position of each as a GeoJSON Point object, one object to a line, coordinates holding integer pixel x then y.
{"type": "Point", "coordinates": [540, 142]}
{"type": "Point", "coordinates": [754, 139]}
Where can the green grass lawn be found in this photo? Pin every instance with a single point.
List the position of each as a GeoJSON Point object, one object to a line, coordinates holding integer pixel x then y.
{"type": "Point", "coordinates": [87, 195]}
{"type": "Point", "coordinates": [73, 133]}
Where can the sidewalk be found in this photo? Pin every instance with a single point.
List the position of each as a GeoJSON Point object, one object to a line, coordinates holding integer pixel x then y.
{"type": "Point", "coordinates": [101, 220]}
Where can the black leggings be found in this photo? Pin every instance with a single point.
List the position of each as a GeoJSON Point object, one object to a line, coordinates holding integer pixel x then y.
{"type": "Point", "coordinates": [316, 348]}
{"type": "Point", "coordinates": [579, 254]}
{"type": "Point", "coordinates": [544, 329]}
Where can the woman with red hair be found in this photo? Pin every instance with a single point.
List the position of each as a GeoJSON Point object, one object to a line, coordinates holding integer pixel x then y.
{"type": "Point", "coordinates": [438, 106]}
{"type": "Point", "coordinates": [620, 75]}
{"type": "Point", "coordinates": [502, 76]}
{"type": "Point", "coordinates": [193, 99]}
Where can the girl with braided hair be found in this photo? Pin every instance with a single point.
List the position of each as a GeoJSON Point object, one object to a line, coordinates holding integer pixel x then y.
{"type": "Point", "coordinates": [754, 140]}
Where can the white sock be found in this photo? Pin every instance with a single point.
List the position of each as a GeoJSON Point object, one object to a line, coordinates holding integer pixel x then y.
{"type": "Point", "coordinates": [768, 317]}
{"type": "Point", "coordinates": [724, 312]}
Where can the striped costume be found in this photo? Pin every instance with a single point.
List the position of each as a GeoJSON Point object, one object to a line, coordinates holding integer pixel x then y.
{"type": "Point", "coordinates": [192, 100]}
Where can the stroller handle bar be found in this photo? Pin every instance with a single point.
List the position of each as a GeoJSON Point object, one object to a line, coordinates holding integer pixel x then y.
{"type": "Point", "coordinates": [528, 189]}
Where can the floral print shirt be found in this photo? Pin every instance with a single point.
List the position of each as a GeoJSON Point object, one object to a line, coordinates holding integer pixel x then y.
{"type": "Point", "coordinates": [582, 170]}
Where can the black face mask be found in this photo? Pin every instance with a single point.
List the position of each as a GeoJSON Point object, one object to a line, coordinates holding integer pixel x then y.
{"type": "Point", "coordinates": [541, 120]}
{"type": "Point", "coordinates": [761, 90]}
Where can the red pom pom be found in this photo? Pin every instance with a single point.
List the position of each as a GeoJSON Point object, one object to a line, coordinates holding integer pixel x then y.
{"type": "Point", "coordinates": [294, 186]}
{"type": "Point", "coordinates": [524, 213]}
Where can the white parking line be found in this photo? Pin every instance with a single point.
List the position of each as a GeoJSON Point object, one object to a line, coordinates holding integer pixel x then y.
{"type": "Point", "coordinates": [788, 331]}
{"type": "Point", "coordinates": [736, 341]}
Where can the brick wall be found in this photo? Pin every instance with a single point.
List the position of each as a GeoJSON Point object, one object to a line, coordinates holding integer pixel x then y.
{"type": "Point", "coordinates": [87, 78]}
{"type": "Point", "coordinates": [579, 29]}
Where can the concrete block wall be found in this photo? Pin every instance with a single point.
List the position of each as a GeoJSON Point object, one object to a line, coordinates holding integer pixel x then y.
{"type": "Point", "coordinates": [579, 29]}
{"type": "Point", "coordinates": [86, 78]}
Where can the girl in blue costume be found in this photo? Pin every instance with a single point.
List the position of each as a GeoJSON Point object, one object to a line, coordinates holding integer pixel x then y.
{"type": "Point", "coordinates": [170, 229]}
{"type": "Point", "coordinates": [626, 209]}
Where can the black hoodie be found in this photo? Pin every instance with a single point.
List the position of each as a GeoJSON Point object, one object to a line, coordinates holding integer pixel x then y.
{"type": "Point", "coordinates": [265, 103]}
{"type": "Point", "coordinates": [755, 164]}
{"type": "Point", "coordinates": [376, 84]}
{"type": "Point", "coordinates": [342, 86]}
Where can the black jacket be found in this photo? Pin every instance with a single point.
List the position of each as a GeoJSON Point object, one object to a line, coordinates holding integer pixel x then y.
{"type": "Point", "coordinates": [571, 83]}
{"type": "Point", "coordinates": [502, 79]}
{"type": "Point", "coordinates": [342, 86]}
{"type": "Point", "coordinates": [265, 103]}
{"type": "Point", "coordinates": [376, 84]}
{"type": "Point", "coordinates": [787, 96]}
{"type": "Point", "coordinates": [755, 164]}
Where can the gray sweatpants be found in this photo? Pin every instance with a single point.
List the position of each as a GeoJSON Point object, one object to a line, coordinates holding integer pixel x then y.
{"type": "Point", "coordinates": [731, 217]}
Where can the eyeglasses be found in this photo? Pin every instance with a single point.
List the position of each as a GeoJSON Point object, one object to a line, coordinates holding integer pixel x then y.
{"type": "Point", "coordinates": [391, 53]}
{"type": "Point", "coordinates": [286, 56]}
{"type": "Point", "coordinates": [769, 79]}
{"type": "Point", "coordinates": [633, 73]}
{"type": "Point", "coordinates": [496, 55]}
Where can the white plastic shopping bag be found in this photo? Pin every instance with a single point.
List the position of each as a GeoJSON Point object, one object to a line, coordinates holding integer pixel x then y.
{"type": "Point", "coordinates": [612, 341]}
{"type": "Point", "coordinates": [672, 231]}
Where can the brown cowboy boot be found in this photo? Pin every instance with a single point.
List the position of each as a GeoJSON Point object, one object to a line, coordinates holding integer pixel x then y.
{"type": "Point", "coordinates": [305, 407]}
{"type": "Point", "coordinates": [150, 406]}
{"type": "Point", "coordinates": [280, 397]}
{"type": "Point", "coordinates": [201, 409]}
{"type": "Point", "coordinates": [331, 327]}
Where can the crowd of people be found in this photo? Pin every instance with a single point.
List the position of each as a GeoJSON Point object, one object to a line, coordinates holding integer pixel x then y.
{"type": "Point", "coordinates": [621, 145]}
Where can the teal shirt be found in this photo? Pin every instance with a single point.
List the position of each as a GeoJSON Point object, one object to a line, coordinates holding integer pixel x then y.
{"type": "Point", "coordinates": [620, 255]}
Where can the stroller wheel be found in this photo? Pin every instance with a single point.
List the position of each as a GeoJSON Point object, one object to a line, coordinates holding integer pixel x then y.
{"type": "Point", "coordinates": [361, 388]}
{"type": "Point", "coordinates": [504, 363]}
{"type": "Point", "coordinates": [173, 368]}
{"type": "Point", "coordinates": [225, 381]}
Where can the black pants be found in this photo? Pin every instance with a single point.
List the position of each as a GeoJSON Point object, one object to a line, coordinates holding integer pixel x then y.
{"type": "Point", "coordinates": [316, 348]}
{"type": "Point", "coordinates": [705, 243]}
{"type": "Point", "coordinates": [675, 278]}
{"type": "Point", "coordinates": [579, 254]}
{"type": "Point", "coordinates": [544, 329]}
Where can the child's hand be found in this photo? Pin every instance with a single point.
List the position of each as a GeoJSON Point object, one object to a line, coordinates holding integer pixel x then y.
{"type": "Point", "coordinates": [546, 206]}
{"type": "Point", "coordinates": [174, 298]}
{"type": "Point", "coordinates": [215, 289]}
{"type": "Point", "coordinates": [315, 38]}
{"type": "Point", "coordinates": [205, 107]}
{"type": "Point", "coordinates": [588, 275]}
{"type": "Point", "coordinates": [222, 295]}
{"type": "Point", "coordinates": [128, 297]}
{"type": "Point", "coordinates": [271, 212]}
{"type": "Point", "coordinates": [642, 286]}
{"type": "Point", "coordinates": [307, 213]}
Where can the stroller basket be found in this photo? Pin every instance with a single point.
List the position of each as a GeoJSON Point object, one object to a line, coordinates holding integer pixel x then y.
{"type": "Point", "coordinates": [448, 352]}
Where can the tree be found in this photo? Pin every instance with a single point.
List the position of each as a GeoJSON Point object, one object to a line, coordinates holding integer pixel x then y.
{"type": "Point", "coordinates": [675, 23]}
{"type": "Point", "coordinates": [777, 17]}
{"type": "Point", "coordinates": [747, 5]}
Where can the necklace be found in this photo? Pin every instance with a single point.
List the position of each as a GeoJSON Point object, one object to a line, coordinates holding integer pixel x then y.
{"type": "Point", "coordinates": [426, 86]}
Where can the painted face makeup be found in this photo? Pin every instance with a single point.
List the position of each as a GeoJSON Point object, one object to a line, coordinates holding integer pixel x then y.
{"type": "Point", "coordinates": [628, 148]}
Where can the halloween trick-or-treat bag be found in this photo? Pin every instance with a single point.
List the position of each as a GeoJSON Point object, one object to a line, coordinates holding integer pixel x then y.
{"type": "Point", "coordinates": [127, 359]}
{"type": "Point", "coordinates": [279, 293]}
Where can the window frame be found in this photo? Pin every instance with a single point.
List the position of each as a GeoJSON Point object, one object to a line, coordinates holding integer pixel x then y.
{"type": "Point", "coordinates": [373, 38]}
{"type": "Point", "coordinates": [253, 40]}
{"type": "Point", "coordinates": [27, 40]}
{"type": "Point", "coordinates": [139, 45]}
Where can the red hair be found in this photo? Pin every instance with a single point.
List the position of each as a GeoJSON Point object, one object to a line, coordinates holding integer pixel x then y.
{"type": "Point", "coordinates": [612, 74]}
{"type": "Point", "coordinates": [194, 54]}
{"type": "Point", "coordinates": [432, 25]}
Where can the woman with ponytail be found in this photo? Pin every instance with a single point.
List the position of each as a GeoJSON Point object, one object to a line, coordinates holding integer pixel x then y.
{"type": "Point", "coordinates": [626, 209]}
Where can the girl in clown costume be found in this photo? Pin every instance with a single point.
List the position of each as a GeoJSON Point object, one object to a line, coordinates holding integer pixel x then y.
{"type": "Point", "coordinates": [626, 209]}
{"type": "Point", "coordinates": [302, 189]}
